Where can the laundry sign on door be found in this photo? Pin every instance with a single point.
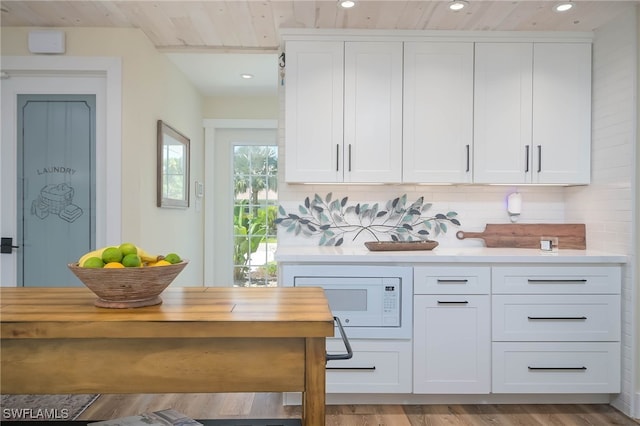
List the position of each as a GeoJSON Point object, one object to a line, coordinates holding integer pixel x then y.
{"type": "Point", "coordinates": [56, 199]}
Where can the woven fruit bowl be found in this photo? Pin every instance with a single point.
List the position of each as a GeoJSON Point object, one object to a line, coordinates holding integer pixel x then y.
{"type": "Point", "coordinates": [128, 287]}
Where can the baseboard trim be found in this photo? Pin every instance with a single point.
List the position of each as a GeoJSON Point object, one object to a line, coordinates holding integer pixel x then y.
{"type": "Point", "coordinates": [293, 398]}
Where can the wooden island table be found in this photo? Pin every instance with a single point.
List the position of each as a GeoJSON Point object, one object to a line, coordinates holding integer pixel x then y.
{"type": "Point", "coordinates": [199, 340]}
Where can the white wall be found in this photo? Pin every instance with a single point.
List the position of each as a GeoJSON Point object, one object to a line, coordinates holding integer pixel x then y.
{"type": "Point", "coordinates": [152, 88]}
{"type": "Point", "coordinates": [241, 107]}
{"type": "Point", "coordinates": [607, 205]}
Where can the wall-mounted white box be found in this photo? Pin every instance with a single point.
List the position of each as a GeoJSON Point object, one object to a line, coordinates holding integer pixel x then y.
{"type": "Point", "coordinates": [46, 41]}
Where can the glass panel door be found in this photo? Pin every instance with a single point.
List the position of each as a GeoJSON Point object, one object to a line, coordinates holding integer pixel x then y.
{"type": "Point", "coordinates": [255, 188]}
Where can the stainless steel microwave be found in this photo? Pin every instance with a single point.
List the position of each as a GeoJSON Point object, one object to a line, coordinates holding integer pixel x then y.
{"type": "Point", "coordinates": [371, 301]}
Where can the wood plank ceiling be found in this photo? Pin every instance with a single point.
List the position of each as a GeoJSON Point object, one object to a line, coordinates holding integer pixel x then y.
{"type": "Point", "coordinates": [244, 26]}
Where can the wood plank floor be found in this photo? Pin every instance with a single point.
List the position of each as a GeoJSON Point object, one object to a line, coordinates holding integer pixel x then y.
{"type": "Point", "coordinates": [269, 405]}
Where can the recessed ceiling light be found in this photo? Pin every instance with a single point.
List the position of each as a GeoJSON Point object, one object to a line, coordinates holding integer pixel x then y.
{"type": "Point", "coordinates": [458, 5]}
{"type": "Point", "coordinates": [563, 7]}
{"type": "Point", "coordinates": [346, 4]}
{"type": "Point", "coordinates": [246, 76]}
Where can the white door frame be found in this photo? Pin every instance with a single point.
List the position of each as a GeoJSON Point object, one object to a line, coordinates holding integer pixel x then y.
{"type": "Point", "coordinates": [108, 161]}
{"type": "Point", "coordinates": [216, 276]}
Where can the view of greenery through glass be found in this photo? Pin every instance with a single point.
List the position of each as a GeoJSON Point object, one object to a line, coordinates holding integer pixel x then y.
{"type": "Point", "coordinates": [255, 183]}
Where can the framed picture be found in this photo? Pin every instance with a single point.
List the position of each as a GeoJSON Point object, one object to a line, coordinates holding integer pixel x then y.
{"type": "Point", "coordinates": [173, 167]}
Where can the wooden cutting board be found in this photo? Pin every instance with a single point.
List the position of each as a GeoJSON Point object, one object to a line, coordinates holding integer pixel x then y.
{"type": "Point", "coordinates": [527, 235]}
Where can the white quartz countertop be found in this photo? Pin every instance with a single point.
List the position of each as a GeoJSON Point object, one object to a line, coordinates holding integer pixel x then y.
{"type": "Point", "coordinates": [321, 254]}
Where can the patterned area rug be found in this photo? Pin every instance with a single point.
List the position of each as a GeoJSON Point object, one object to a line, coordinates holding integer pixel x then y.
{"type": "Point", "coordinates": [44, 407]}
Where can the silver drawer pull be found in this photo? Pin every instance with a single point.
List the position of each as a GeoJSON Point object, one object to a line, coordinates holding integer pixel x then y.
{"type": "Point", "coordinates": [558, 318]}
{"type": "Point", "coordinates": [567, 281]}
{"type": "Point", "coordinates": [451, 302]}
{"type": "Point", "coordinates": [557, 368]}
{"type": "Point", "coordinates": [462, 281]}
{"type": "Point", "coordinates": [372, 368]}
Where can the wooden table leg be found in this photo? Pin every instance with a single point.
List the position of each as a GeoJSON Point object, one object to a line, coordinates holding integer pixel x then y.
{"type": "Point", "coordinates": [313, 398]}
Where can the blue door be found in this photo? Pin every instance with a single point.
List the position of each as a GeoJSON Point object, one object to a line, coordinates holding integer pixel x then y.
{"type": "Point", "coordinates": [56, 186]}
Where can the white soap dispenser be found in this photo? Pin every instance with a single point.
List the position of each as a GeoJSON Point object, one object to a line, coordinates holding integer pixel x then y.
{"type": "Point", "coordinates": [514, 206]}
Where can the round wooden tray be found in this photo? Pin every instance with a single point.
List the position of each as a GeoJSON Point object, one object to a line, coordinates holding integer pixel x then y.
{"type": "Point", "coordinates": [401, 245]}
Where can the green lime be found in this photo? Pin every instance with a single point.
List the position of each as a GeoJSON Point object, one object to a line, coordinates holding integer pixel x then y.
{"type": "Point", "coordinates": [128, 248]}
{"type": "Point", "coordinates": [131, 261]}
{"type": "Point", "coordinates": [93, 262]}
{"type": "Point", "coordinates": [172, 258]}
{"type": "Point", "coordinates": [112, 254]}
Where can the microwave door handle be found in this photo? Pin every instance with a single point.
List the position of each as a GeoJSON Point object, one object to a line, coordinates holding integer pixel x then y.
{"type": "Point", "coordinates": [345, 341]}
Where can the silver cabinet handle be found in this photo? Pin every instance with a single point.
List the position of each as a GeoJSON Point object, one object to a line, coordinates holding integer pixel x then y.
{"type": "Point", "coordinates": [557, 368]}
{"type": "Point", "coordinates": [462, 281]}
{"type": "Point", "coordinates": [539, 158]}
{"type": "Point", "coordinates": [452, 302]}
{"type": "Point", "coordinates": [558, 318]}
{"type": "Point", "coordinates": [468, 158]}
{"type": "Point", "coordinates": [337, 157]}
{"type": "Point", "coordinates": [526, 159]}
{"type": "Point", "coordinates": [349, 157]}
{"type": "Point", "coordinates": [562, 281]}
{"type": "Point", "coordinates": [372, 368]}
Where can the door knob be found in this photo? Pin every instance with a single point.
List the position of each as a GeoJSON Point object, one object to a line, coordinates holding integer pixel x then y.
{"type": "Point", "coordinates": [6, 245]}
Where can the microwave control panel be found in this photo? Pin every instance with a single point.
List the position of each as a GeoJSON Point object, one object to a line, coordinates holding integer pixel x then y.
{"type": "Point", "coordinates": [391, 305]}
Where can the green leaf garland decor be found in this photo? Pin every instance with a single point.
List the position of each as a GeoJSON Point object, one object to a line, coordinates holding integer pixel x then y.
{"type": "Point", "coordinates": [332, 219]}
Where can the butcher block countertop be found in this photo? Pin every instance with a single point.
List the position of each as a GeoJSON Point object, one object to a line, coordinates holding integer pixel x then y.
{"type": "Point", "coordinates": [185, 312]}
{"type": "Point", "coordinates": [321, 254]}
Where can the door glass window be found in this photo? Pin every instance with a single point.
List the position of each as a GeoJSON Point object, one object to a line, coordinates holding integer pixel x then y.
{"type": "Point", "coordinates": [56, 186]}
{"type": "Point", "coordinates": [255, 183]}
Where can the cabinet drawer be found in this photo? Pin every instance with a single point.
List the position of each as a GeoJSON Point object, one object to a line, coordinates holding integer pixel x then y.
{"type": "Point", "coordinates": [546, 367]}
{"type": "Point", "coordinates": [556, 317]}
{"type": "Point", "coordinates": [377, 366]}
{"type": "Point", "coordinates": [451, 280]}
{"type": "Point", "coordinates": [556, 279]}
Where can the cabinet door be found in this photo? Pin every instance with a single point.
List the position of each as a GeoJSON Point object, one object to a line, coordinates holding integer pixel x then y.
{"type": "Point", "coordinates": [562, 113]}
{"type": "Point", "coordinates": [438, 112]}
{"type": "Point", "coordinates": [373, 112]}
{"type": "Point", "coordinates": [313, 111]}
{"type": "Point", "coordinates": [451, 344]}
{"type": "Point", "coordinates": [502, 113]}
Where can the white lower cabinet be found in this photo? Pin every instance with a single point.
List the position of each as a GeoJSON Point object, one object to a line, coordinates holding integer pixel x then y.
{"type": "Point", "coordinates": [377, 366]}
{"type": "Point", "coordinates": [452, 329]}
{"type": "Point", "coordinates": [556, 329]}
{"type": "Point", "coordinates": [481, 329]}
{"type": "Point", "coordinates": [556, 367]}
{"type": "Point", "coordinates": [451, 344]}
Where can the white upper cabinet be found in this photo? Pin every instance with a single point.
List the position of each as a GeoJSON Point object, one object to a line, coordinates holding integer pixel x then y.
{"type": "Point", "coordinates": [438, 112]}
{"type": "Point", "coordinates": [532, 113]}
{"type": "Point", "coordinates": [373, 112]}
{"type": "Point", "coordinates": [562, 113]}
{"type": "Point", "coordinates": [381, 109]}
{"type": "Point", "coordinates": [314, 111]}
{"type": "Point", "coordinates": [502, 113]}
{"type": "Point", "coordinates": [343, 120]}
